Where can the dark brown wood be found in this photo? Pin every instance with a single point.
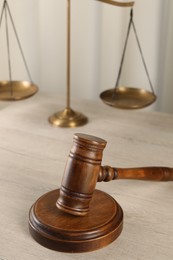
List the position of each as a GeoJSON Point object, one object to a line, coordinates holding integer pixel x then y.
{"type": "Point", "coordinates": [63, 232]}
{"type": "Point", "coordinates": [80, 175]}
{"type": "Point", "coordinates": [83, 170]}
{"type": "Point", "coordinates": [108, 173]}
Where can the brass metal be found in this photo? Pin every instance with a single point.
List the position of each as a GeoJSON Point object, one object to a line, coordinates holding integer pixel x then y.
{"type": "Point", "coordinates": [68, 118]}
{"type": "Point", "coordinates": [126, 4]}
{"type": "Point", "coordinates": [68, 51]}
{"type": "Point", "coordinates": [127, 97]}
{"type": "Point", "coordinates": [16, 90]}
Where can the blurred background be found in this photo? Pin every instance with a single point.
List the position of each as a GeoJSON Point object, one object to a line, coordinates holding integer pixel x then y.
{"type": "Point", "coordinates": [98, 32]}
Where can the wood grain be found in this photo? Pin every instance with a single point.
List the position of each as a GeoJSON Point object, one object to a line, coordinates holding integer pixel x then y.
{"type": "Point", "coordinates": [32, 159]}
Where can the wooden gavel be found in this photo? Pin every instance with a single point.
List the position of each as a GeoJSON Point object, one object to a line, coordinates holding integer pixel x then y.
{"type": "Point", "coordinates": [54, 219]}
{"type": "Point", "coordinates": [83, 170]}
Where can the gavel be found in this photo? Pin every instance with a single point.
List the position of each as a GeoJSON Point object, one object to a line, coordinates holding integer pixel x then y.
{"type": "Point", "coordinates": [83, 170]}
{"type": "Point", "coordinates": [77, 217]}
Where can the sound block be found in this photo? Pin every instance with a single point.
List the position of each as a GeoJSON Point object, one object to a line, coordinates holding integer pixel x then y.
{"type": "Point", "coordinates": [63, 232]}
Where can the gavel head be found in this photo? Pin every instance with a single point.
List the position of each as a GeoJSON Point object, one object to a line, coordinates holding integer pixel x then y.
{"type": "Point", "coordinates": [81, 174]}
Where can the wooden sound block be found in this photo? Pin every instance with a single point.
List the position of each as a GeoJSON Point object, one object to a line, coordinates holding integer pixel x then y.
{"type": "Point", "coordinates": [63, 232]}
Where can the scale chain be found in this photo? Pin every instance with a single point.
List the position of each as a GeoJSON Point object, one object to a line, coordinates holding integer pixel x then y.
{"type": "Point", "coordinates": [6, 9]}
{"type": "Point", "coordinates": [131, 23]}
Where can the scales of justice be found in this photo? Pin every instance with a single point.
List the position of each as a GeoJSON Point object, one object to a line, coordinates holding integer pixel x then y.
{"type": "Point", "coordinates": [78, 218]}
{"type": "Point", "coordinates": [120, 96]}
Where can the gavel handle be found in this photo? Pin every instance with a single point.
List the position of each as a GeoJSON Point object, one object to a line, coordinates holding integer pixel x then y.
{"type": "Point", "coordinates": [108, 173]}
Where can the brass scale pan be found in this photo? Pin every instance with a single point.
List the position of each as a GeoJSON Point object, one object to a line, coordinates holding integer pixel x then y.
{"type": "Point", "coordinates": [14, 90]}
{"type": "Point", "coordinates": [129, 97]}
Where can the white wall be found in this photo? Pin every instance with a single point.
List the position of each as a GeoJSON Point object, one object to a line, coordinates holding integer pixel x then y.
{"type": "Point", "coordinates": [25, 16]}
{"type": "Point", "coordinates": [165, 63]}
{"type": "Point", "coordinates": [97, 38]}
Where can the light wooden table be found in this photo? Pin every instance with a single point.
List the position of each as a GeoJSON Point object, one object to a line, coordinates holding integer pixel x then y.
{"type": "Point", "coordinates": [32, 160]}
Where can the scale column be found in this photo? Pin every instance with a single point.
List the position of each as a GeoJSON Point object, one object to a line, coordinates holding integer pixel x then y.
{"type": "Point", "coordinates": [68, 117]}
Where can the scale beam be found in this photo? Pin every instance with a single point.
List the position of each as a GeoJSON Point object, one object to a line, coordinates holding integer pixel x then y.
{"type": "Point", "coordinates": [111, 2]}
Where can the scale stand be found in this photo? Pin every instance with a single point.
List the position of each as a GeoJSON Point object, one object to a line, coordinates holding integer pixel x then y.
{"type": "Point", "coordinates": [14, 90]}
{"type": "Point", "coordinates": [129, 97]}
{"type": "Point", "coordinates": [68, 117]}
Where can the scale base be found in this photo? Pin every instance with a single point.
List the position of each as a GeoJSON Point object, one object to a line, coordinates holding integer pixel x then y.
{"type": "Point", "coordinates": [16, 90]}
{"type": "Point", "coordinates": [68, 118]}
{"type": "Point", "coordinates": [63, 232]}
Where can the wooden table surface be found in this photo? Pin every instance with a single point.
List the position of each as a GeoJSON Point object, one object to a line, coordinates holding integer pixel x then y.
{"type": "Point", "coordinates": [32, 160]}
